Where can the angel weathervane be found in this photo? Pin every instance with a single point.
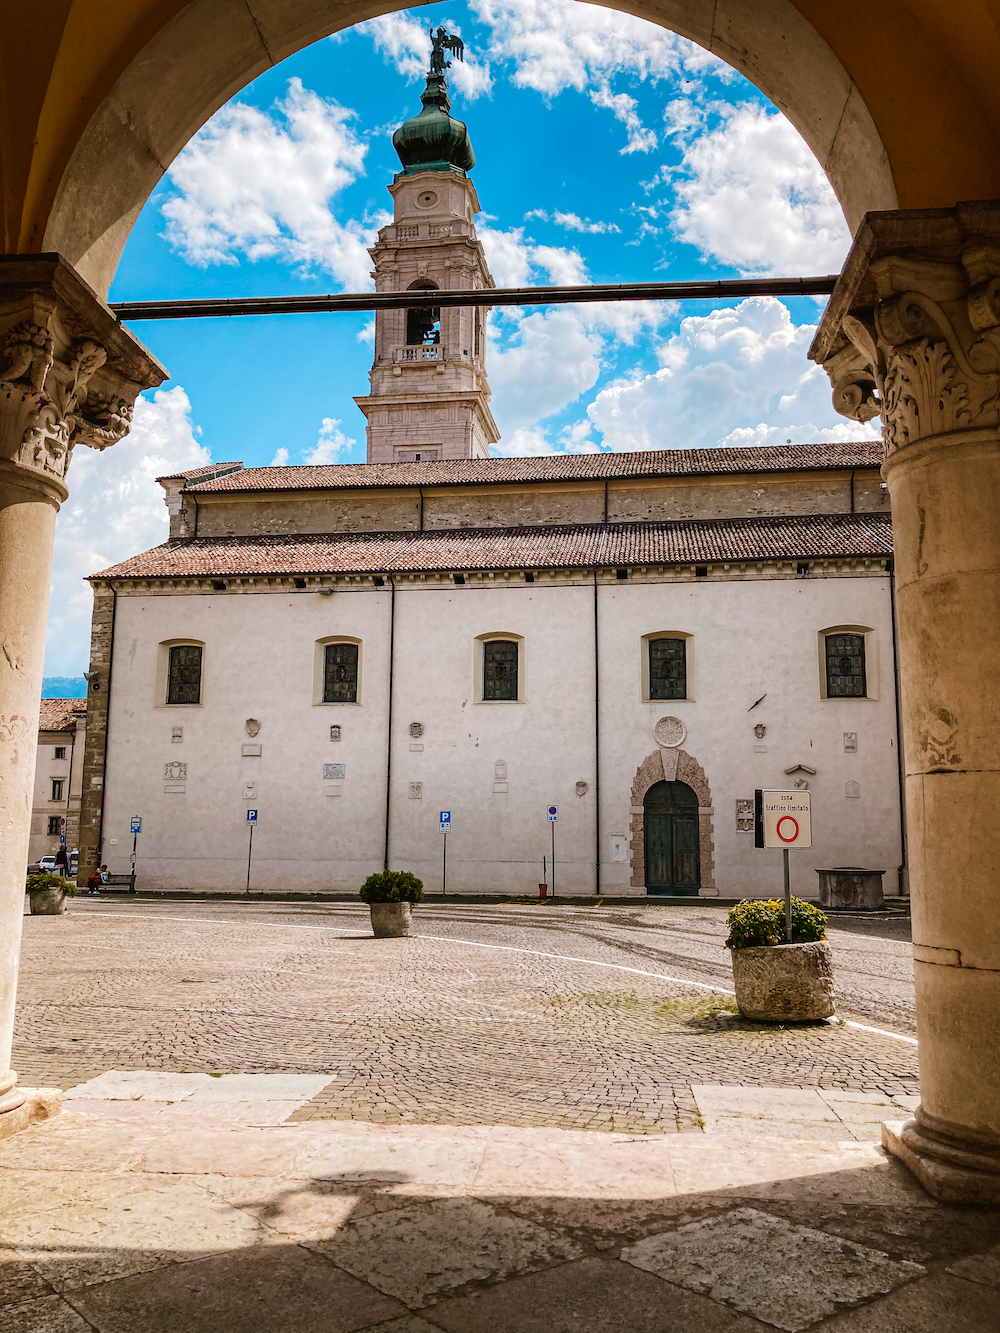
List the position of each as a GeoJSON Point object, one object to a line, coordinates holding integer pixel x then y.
{"type": "Point", "coordinates": [442, 41]}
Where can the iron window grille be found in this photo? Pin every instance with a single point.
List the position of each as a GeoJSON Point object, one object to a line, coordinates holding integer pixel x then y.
{"type": "Point", "coordinates": [55, 825]}
{"type": "Point", "coordinates": [845, 666]}
{"type": "Point", "coordinates": [340, 673]}
{"type": "Point", "coordinates": [60, 752]}
{"type": "Point", "coordinates": [667, 669]}
{"type": "Point", "coordinates": [499, 670]}
{"type": "Point", "coordinates": [184, 684]}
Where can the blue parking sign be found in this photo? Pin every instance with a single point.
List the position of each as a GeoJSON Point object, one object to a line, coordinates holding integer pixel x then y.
{"type": "Point", "coordinates": [136, 824]}
{"type": "Point", "coordinates": [251, 816]}
{"type": "Point", "coordinates": [445, 820]}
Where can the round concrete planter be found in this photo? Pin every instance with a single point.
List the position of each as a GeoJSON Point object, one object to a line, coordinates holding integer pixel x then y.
{"type": "Point", "coordinates": [784, 983]}
{"type": "Point", "coordinates": [48, 902]}
{"type": "Point", "coordinates": [390, 920]}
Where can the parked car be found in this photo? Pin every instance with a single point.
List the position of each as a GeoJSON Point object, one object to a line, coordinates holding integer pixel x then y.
{"type": "Point", "coordinates": [44, 863]}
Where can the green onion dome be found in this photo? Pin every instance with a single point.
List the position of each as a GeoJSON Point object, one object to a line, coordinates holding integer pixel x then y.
{"type": "Point", "coordinates": [432, 140]}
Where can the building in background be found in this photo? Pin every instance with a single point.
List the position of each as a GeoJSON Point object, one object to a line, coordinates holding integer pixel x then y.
{"type": "Point", "coordinates": [638, 639]}
{"type": "Point", "coordinates": [55, 806]}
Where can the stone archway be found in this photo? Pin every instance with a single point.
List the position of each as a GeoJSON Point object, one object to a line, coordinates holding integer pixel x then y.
{"type": "Point", "coordinates": [672, 765]}
{"type": "Point", "coordinates": [123, 128]}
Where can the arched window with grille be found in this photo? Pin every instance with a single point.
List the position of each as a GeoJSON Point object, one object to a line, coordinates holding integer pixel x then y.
{"type": "Point", "coordinates": [846, 674]}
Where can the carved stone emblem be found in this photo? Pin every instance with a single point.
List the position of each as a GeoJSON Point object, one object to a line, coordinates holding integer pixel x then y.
{"type": "Point", "coordinates": [416, 729]}
{"type": "Point", "coordinates": [335, 733]}
{"type": "Point", "coordinates": [852, 790]}
{"type": "Point", "coordinates": [582, 789]}
{"type": "Point", "coordinates": [416, 791]}
{"type": "Point", "coordinates": [500, 770]}
{"type": "Point", "coordinates": [334, 770]}
{"type": "Point", "coordinates": [760, 731]}
{"type": "Point", "coordinates": [175, 772]}
{"type": "Point", "coordinates": [253, 726]}
{"type": "Point", "coordinates": [670, 732]}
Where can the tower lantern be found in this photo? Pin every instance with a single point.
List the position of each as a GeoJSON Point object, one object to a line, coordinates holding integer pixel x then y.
{"type": "Point", "coordinates": [429, 396]}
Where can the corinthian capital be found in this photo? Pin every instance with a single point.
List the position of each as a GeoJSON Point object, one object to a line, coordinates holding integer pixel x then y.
{"type": "Point", "coordinates": [912, 332]}
{"type": "Point", "coordinates": [69, 372]}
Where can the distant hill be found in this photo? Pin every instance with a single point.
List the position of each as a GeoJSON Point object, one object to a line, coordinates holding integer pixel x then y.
{"type": "Point", "coordinates": [64, 687]}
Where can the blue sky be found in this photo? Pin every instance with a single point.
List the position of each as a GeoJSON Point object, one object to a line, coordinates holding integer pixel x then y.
{"type": "Point", "coordinates": [607, 150]}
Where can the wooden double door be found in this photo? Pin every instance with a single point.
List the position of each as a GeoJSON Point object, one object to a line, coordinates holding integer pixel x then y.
{"type": "Point", "coordinates": [670, 828]}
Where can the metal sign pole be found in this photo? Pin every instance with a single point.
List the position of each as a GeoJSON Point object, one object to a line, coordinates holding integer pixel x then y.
{"type": "Point", "coordinates": [553, 827]}
{"type": "Point", "coordinates": [444, 866]}
{"type": "Point", "coordinates": [135, 840]}
{"type": "Point", "coordinates": [249, 857]}
{"type": "Point", "coordinates": [788, 899]}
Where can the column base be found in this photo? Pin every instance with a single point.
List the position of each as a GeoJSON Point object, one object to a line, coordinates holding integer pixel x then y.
{"type": "Point", "coordinates": [949, 1174]}
{"type": "Point", "coordinates": [21, 1107]}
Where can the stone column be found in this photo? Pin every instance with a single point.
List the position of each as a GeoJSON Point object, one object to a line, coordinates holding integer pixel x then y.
{"type": "Point", "coordinates": [912, 333]}
{"type": "Point", "coordinates": [69, 374]}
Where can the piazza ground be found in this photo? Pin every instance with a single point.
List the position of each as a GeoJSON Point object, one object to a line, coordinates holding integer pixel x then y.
{"type": "Point", "coordinates": [598, 1018]}
{"type": "Point", "coordinates": [273, 1120]}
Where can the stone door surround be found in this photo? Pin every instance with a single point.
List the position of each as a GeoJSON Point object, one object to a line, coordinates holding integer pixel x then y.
{"type": "Point", "coordinates": [672, 765]}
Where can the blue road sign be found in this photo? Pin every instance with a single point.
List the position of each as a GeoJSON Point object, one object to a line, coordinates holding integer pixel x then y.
{"type": "Point", "coordinates": [136, 824]}
{"type": "Point", "coordinates": [251, 816]}
{"type": "Point", "coordinates": [553, 813]}
{"type": "Point", "coordinates": [445, 820]}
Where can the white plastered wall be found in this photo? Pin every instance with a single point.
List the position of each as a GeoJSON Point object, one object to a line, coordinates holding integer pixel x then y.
{"type": "Point", "coordinates": [751, 638]}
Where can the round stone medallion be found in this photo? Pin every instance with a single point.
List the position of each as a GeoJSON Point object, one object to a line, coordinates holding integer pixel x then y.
{"type": "Point", "coordinates": [670, 732]}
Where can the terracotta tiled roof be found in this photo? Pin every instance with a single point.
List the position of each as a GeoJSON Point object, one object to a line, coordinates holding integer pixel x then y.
{"type": "Point", "coordinates": [60, 714]}
{"type": "Point", "coordinates": [559, 467]}
{"type": "Point", "coordinates": [196, 472]}
{"type": "Point", "coordinates": [574, 546]}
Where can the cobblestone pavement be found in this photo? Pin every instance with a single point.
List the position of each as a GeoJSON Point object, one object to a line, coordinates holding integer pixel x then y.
{"type": "Point", "coordinates": [576, 1018]}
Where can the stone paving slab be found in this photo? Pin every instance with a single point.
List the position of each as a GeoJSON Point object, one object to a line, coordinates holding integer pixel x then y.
{"type": "Point", "coordinates": [788, 1276]}
{"type": "Point", "coordinates": [554, 1232]}
{"type": "Point", "coordinates": [799, 1113]}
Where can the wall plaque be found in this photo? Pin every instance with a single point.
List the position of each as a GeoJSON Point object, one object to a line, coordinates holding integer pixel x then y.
{"type": "Point", "coordinates": [670, 732]}
{"type": "Point", "coordinates": [252, 750]}
{"type": "Point", "coordinates": [852, 790]}
{"type": "Point", "coordinates": [416, 791]}
{"type": "Point", "coordinates": [335, 733]}
{"type": "Point", "coordinates": [744, 814]}
{"type": "Point", "coordinates": [177, 735]}
{"type": "Point", "coordinates": [850, 740]}
{"type": "Point", "coordinates": [175, 772]}
{"type": "Point", "coordinates": [334, 770]}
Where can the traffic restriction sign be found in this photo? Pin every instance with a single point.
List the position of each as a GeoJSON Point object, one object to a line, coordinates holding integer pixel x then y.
{"type": "Point", "coordinates": [782, 819]}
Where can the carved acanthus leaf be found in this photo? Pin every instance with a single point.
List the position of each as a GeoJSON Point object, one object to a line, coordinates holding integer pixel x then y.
{"type": "Point", "coordinates": [44, 405]}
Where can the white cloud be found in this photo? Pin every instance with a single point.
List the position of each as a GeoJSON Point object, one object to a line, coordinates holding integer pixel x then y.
{"type": "Point", "coordinates": [640, 140]}
{"type": "Point", "coordinates": [572, 222]}
{"type": "Point", "coordinates": [280, 458]}
{"type": "Point", "coordinates": [115, 509]}
{"type": "Point", "coordinates": [366, 334]}
{"type": "Point", "coordinates": [406, 44]}
{"type": "Point", "coordinates": [734, 376]}
{"type": "Point", "coordinates": [557, 44]}
{"type": "Point", "coordinates": [756, 198]}
{"type": "Point", "coordinates": [548, 362]}
{"type": "Point", "coordinates": [330, 444]}
{"type": "Point", "coordinates": [260, 186]}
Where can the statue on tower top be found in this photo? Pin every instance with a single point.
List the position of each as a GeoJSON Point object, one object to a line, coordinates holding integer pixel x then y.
{"type": "Point", "coordinates": [433, 140]}
{"type": "Point", "coordinates": [442, 41]}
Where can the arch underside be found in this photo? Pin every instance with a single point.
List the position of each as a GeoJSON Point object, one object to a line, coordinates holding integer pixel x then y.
{"type": "Point", "coordinates": [672, 765]}
{"type": "Point", "coordinates": [211, 49]}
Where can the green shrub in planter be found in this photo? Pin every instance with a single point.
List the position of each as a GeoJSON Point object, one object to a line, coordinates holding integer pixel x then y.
{"type": "Point", "coordinates": [45, 879]}
{"type": "Point", "coordinates": [392, 886]}
{"type": "Point", "coordinates": [754, 924]}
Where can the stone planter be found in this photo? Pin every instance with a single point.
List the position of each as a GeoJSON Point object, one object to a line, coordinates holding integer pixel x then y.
{"type": "Point", "coordinates": [851, 886]}
{"type": "Point", "coordinates": [784, 983]}
{"type": "Point", "coordinates": [390, 920]}
{"type": "Point", "coordinates": [48, 902]}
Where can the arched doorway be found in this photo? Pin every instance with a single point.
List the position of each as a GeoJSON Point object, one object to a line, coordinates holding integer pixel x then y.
{"type": "Point", "coordinates": [670, 824]}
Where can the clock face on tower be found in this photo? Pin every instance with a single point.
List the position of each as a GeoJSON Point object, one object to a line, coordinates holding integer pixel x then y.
{"type": "Point", "coordinates": [426, 199]}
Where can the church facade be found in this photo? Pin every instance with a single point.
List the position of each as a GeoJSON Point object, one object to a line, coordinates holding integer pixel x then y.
{"type": "Point", "coordinates": [638, 640]}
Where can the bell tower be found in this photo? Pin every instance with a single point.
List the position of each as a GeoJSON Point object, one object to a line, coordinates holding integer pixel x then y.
{"type": "Point", "coordinates": [429, 396]}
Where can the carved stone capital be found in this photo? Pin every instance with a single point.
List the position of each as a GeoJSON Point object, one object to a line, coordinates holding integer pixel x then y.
{"type": "Point", "coordinates": [912, 332]}
{"type": "Point", "coordinates": [69, 372]}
